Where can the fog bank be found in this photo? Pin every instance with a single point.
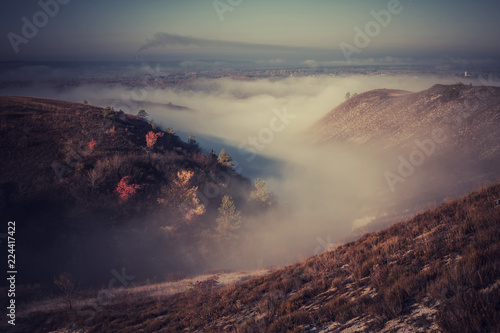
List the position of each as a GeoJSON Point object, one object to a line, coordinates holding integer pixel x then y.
{"type": "Point", "coordinates": [324, 192]}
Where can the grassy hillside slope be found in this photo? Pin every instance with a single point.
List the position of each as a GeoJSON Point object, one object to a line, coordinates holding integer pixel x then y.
{"type": "Point", "coordinates": [437, 272]}
{"type": "Point", "coordinates": [470, 115]}
{"type": "Point", "coordinates": [89, 195]}
{"type": "Point", "coordinates": [442, 142]}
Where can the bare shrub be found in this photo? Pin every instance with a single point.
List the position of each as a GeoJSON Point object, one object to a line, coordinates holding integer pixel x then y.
{"type": "Point", "coordinates": [66, 284]}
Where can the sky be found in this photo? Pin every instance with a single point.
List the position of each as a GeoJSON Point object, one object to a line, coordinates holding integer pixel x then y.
{"type": "Point", "coordinates": [273, 31]}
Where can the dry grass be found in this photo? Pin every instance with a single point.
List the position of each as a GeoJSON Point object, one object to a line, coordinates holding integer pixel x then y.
{"type": "Point", "coordinates": [77, 223]}
{"type": "Point", "coordinates": [138, 293]}
{"type": "Point", "coordinates": [440, 269]}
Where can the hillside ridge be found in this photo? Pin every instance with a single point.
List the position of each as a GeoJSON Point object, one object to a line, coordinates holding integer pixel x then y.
{"type": "Point", "coordinates": [91, 179]}
{"type": "Point", "coordinates": [393, 118]}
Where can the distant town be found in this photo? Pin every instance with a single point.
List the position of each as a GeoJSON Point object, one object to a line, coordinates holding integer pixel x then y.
{"type": "Point", "coordinates": [165, 74]}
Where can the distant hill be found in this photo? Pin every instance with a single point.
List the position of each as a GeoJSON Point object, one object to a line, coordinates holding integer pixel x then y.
{"type": "Point", "coordinates": [437, 143]}
{"type": "Point", "coordinates": [437, 272]}
{"type": "Point", "coordinates": [394, 118]}
{"type": "Point", "coordinates": [145, 104]}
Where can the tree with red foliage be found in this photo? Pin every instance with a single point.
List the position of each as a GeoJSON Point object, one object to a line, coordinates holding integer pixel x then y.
{"type": "Point", "coordinates": [92, 144]}
{"type": "Point", "coordinates": [126, 190]}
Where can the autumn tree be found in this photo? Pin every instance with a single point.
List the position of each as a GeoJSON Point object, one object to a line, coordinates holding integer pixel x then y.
{"type": "Point", "coordinates": [181, 196]}
{"type": "Point", "coordinates": [229, 219]}
{"type": "Point", "coordinates": [151, 138]}
{"type": "Point", "coordinates": [225, 160]}
{"type": "Point", "coordinates": [126, 190]}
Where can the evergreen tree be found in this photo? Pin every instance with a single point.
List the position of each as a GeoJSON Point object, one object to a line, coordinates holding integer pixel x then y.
{"type": "Point", "coordinates": [192, 140]}
{"type": "Point", "coordinates": [229, 219]}
{"type": "Point", "coordinates": [261, 196]}
{"type": "Point", "coordinates": [108, 112]}
{"type": "Point", "coordinates": [225, 160]}
{"type": "Point", "coordinates": [142, 114]}
{"type": "Point", "coordinates": [183, 197]}
{"type": "Point", "coordinates": [193, 144]}
{"type": "Point", "coordinates": [213, 155]}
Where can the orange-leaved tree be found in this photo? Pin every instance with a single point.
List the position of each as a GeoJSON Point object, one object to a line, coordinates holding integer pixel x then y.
{"type": "Point", "coordinates": [180, 195]}
{"type": "Point", "coordinates": [151, 138]}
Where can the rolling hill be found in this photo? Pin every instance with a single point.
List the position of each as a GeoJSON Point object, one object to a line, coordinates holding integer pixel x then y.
{"type": "Point", "coordinates": [90, 192]}
{"type": "Point", "coordinates": [434, 144]}
{"type": "Point", "coordinates": [470, 116]}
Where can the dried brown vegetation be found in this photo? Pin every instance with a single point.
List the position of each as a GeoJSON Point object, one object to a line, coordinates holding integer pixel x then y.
{"type": "Point", "coordinates": [439, 271]}
{"type": "Point", "coordinates": [82, 181]}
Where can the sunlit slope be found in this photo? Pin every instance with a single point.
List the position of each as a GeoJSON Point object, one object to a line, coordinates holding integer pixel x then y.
{"type": "Point", "coordinates": [437, 143]}
{"type": "Point", "coordinates": [469, 117]}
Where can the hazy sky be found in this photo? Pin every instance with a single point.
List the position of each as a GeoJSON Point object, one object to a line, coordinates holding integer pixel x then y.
{"type": "Point", "coordinates": [274, 31]}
